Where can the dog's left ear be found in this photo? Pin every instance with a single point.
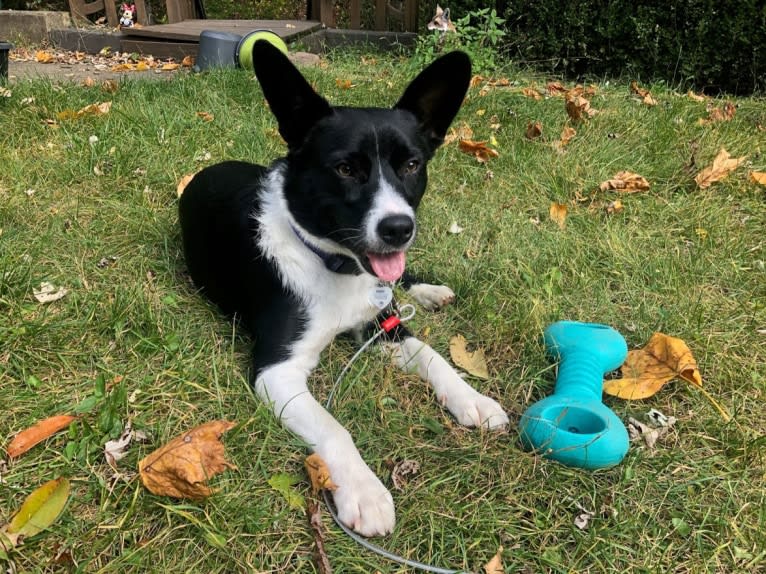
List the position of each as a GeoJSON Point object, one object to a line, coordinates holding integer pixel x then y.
{"type": "Point", "coordinates": [435, 95]}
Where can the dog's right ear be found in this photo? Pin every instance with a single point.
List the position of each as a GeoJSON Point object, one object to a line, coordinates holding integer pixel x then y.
{"type": "Point", "coordinates": [293, 101]}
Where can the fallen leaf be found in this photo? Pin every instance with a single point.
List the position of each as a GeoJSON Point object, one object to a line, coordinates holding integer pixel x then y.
{"type": "Point", "coordinates": [48, 292]}
{"type": "Point", "coordinates": [582, 520]}
{"type": "Point", "coordinates": [454, 229]}
{"type": "Point", "coordinates": [185, 180]}
{"type": "Point", "coordinates": [555, 89]}
{"type": "Point", "coordinates": [758, 177]}
{"type": "Point", "coordinates": [472, 361]}
{"type": "Point", "coordinates": [402, 471]}
{"type": "Point", "coordinates": [169, 67]}
{"type": "Point", "coordinates": [319, 474]}
{"type": "Point", "coordinates": [495, 565]}
{"type": "Point", "coordinates": [534, 130]}
{"type": "Point", "coordinates": [647, 370]}
{"type": "Point", "coordinates": [578, 108]}
{"type": "Point", "coordinates": [182, 467]}
{"type": "Point", "coordinates": [614, 207]}
{"type": "Point", "coordinates": [206, 116]}
{"type": "Point", "coordinates": [636, 89]}
{"type": "Point", "coordinates": [114, 450]}
{"type": "Point", "coordinates": [651, 433]}
{"type": "Point", "coordinates": [37, 433]}
{"type": "Point", "coordinates": [695, 97]}
{"type": "Point", "coordinates": [88, 82]}
{"type": "Point", "coordinates": [44, 57]}
{"type": "Point", "coordinates": [110, 86]}
{"type": "Point", "coordinates": [478, 149]}
{"type": "Point", "coordinates": [283, 483]}
{"type": "Point", "coordinates": [625, 182]}
{"type": "Point", "coordinates": [188, 61]}
{"type": "Point", "coordinates": [343, 84]}
{"type": "Point", "coordinates": [462, 132]}
{"type": "Point", "coordinates": [716, 114]}
{"type": "Point", "coordinates": [722, 166]}
{"type": "Point", "coordinates": [567, 134]}
{"type": "Point", "coordinates": [40, 509]}
{"type": "Point", "coordinates": [531, 93]}
{"type": "Point", "coordinates": [558, 213]}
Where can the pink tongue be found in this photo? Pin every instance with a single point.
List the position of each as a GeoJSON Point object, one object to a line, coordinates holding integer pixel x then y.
{"type": "Point", "coordinates": [387, 266]}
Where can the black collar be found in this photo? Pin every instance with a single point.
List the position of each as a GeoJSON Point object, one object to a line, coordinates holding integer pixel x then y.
{"type": "Point", "coordinates": [334, 262]}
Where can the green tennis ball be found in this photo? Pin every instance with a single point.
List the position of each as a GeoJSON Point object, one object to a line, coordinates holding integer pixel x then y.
{"type": "Point", "coordinates": [245, 46]}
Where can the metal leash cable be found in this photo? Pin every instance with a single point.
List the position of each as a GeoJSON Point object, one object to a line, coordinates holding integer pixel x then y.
{"type": "Point", "coordinates": [386, 326]}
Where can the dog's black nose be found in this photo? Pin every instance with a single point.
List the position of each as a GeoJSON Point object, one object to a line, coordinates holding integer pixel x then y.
{"type": "Point", "coordinates": [396, 230]}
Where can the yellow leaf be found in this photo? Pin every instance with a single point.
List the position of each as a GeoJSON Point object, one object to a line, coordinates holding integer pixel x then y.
{"type": "Point", "coordinates": [318, 473]}
{"type": "Point", "coordinates": [647, 370]}
{"type": "Point", "coordinates": [614, 207]}
{"type": "Point", "coordinates": [44, 57]}
{"type": "Point", "coordinates": [182, 467]}
{"type": "Point", "coordinates": [722, 166]}
{"type": "Point", "coordinates": [495, 565]}
{"type": "Point", "coordinates": [40, 509]}
{"type": "Point", "coordinates": [558, 213]}
{"type": "Point", "coordinates": [695, 97]}
{"type": "Point", "coordinates": [758, 177]}
{"type": "Point", "coordinates": [625, 182]}
{"type": "Point", "coordinates": [472, 361]}
{"type": "Point", "coordinates": [169, 67]}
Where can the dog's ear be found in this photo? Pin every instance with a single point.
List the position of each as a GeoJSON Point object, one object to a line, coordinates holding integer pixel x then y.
{"type": "Point", "coordinates": [292, 100]}
{"type": "Point", "coordinates": [436, 94]}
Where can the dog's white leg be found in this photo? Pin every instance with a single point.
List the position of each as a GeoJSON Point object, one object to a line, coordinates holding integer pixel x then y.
{"type": "Point", "coordinates": [432, 297]}
{"type": "Point", "coordinates": [362, 501]}
{"type": "Point", "coordinates": [466, 404]}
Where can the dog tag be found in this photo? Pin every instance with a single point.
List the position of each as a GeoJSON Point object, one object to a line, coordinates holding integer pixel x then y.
{"type": "Point", "coordinates": [380, 296]}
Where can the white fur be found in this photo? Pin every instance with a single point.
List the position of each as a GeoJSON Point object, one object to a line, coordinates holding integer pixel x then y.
{"type": "Point", "coordinates": [432, 297]}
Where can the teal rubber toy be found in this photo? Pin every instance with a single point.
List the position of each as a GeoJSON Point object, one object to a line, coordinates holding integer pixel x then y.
{"type": "Point", "coordinates": [573, 426]}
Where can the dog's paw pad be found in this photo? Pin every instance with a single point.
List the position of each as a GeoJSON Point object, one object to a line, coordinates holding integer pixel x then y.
{"type": "Point", "coordinates": [473, 409]}
{"type": "Point", "coordinates": [432, 297]}
{"type": "Point", "coordinates": [363, 503]}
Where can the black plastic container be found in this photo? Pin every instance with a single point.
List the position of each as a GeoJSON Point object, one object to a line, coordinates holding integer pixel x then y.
{"type": "Point", "coordinates": [5, 47]}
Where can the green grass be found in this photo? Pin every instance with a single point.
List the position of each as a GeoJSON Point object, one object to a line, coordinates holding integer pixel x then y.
{"type": "Point", "coordinates": [678, 259]}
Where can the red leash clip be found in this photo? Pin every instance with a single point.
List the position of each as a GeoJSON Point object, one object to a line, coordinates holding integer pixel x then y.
{"type": "Point", "coordinates": [388, 324]}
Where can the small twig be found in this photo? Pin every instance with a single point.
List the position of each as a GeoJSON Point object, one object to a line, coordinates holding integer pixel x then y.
{"type": "Point", "coordinates": [313, 512]}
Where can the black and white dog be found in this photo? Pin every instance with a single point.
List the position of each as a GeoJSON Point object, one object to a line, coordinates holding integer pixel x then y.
{"type": "Point", "coordinates": [302, 251]}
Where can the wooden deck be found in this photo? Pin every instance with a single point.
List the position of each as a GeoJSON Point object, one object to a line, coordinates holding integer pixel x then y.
{"type": "Point", "coordinates": [182, 38]}
{"type": "Point", "coordinates": [189, 30]}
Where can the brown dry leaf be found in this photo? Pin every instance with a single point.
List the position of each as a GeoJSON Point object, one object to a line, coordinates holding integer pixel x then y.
{"type": "Point", "coordinates": [578, 108]}
{"type": "Point", "coordinates": [646, 370]}
{"type": "Point", "coordinates": [695, 97]}
{"type": "Point", "coordinates": [319, 474]}
{"type": "Point", "coordinates": [479, 150]}
{"type": "Point", "coordinates": [37, 433]}
{"type": "Point", "coordinates": [758, 177]}
{"type": "Point", "coordinates": [534, 130]}
{"type": "Point", "coordinates": [343, 84]}
{"type": "Point", "coordinates": [625, 182]}
{"type": "Point", "coordinates": [185, 180]}
{"type": "Point", "coordinates": [462, 132]}
{"type": "Point", "coordinates": [649, 100]}
{"type": "Point", "coordinates": [206, 116]}
{"type": "Point", "coordinates": [89, 82]}
{"type": "Point", "coordinates": [188, 61]}
{"type": "Point", "coordinates": [182, 467]}
{"type": "Point", "coordinates": [555, 89]}
{"type": "Point", "coordinates": [722, 166]}
{"type": "Point", "coordinates": [495, 565]}
{"type": "Point", "coordinates": [476, 81]}
{"type": "Point", "coordinates": [715, 114]}
{"type": "Point", "coordinates": [473, 362]}
{"type": "Point", "coordinates": [558, 213]}
{"type": "Point", "coordinates": [567, 134]}
{"type": "Point", "coordinates": [532, 93]}
{"type": "Point", "coordinates": [44, 57]}
{"type": "Point", "coordinates": [638, 90]}
{"type": "Point", "coordinates": [110, 86]}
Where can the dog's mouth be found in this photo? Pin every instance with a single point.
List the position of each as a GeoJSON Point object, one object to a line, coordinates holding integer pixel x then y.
{"type": "Point", "coordinates": [387, 266]}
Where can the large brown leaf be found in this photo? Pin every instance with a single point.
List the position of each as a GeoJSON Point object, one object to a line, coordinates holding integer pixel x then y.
{"type": "Point", "coordinates": [182, 467]}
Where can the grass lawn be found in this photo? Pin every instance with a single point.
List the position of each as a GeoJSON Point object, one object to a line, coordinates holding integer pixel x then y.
{"type": "Point", "coordinates": [97, 215]}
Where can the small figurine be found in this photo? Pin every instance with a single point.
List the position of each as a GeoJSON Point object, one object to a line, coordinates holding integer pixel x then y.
{"type": "Point", "coordinates": [128, 15]}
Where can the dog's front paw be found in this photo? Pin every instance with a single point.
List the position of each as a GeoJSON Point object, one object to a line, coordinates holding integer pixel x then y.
{"type": "Point", "coordinates": [362, 502]}
{"type": "Point", "coordinates": [472, 409]}
{"type": "Point", "coordinates": [432, 297]}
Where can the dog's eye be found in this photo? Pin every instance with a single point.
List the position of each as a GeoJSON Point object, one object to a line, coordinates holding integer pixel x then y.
{"type": "Point", "coordinates": [411, 167]}
{"type": "Point", "coordinates": [344, 170]}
